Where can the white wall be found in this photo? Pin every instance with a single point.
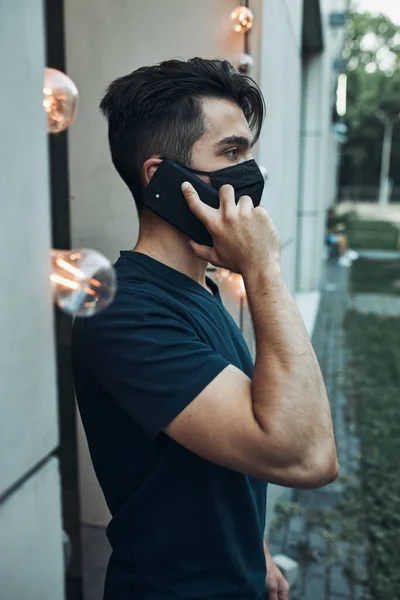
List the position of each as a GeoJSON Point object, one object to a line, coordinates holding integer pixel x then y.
{"type": "Point", "coordinates": [318, 151]}
{"type": "Point", "coordinates": [30, 518]}
{"type": "Point", "coordinates": [280, 81]}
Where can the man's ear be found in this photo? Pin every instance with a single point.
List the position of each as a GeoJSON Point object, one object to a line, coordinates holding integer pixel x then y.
{"type": "Point", "coordinates": [149, 168]}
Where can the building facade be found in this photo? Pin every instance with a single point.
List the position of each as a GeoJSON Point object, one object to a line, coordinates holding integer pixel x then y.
{"type": "Point", "coordinates": [66, 192]}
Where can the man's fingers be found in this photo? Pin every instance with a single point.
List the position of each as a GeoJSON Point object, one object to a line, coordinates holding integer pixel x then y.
{"type": "Point", "coordinates": [284, 593]}
{"type": "Point", "coordinates": [227, 203]}
{"type": "Point", "coordinates": [201, 210]}
{"type": "Point", "coordinates": [245, 205]}
{"type": "Point", "coordinates": [272, 594]}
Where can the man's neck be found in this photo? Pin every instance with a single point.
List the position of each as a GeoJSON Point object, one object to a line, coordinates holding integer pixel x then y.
{"type": "Point", "coordinates": [161, 241]}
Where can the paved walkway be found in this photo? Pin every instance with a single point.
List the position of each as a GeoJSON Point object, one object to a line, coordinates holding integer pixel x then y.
{"type": "Point", "coordinates": [329, 344]}
{"type": "Point", "coordinates": [380, 254]}
{"type": "Point", "coordinates": [379, 304]}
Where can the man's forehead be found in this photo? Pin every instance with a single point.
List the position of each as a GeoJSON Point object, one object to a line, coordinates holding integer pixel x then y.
{"type": "Point", "coordinates": [224, 119]}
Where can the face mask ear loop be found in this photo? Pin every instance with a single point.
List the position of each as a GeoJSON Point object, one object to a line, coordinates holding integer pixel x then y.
{"type": "Point", "coordinates": [197, 172]}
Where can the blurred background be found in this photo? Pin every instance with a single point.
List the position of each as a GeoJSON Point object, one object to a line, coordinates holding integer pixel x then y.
{"type": "Point", "coordinates": [330, 152]}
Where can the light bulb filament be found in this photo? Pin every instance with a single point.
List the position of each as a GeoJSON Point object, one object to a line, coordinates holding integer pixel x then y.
{"type": "Point", "coordinates": [95, 283]}
{"type": "Point", "coordinates": [89, 292]}
{"type": "Point", "coordinates": [70, 268]}
{"type": "Point", "coordinates": [73, 285]}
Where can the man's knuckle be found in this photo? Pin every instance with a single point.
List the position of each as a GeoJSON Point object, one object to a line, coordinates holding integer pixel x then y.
{"type": "Point", "coordinates": [214, 227]}
{"type": "Point", "coordinates": [229, 217]}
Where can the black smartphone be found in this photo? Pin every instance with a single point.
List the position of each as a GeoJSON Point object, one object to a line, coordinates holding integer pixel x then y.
{"type": "Point", "coordinates": [164, 197]}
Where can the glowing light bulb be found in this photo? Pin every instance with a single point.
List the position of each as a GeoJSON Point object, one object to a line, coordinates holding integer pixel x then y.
{"type": "Point", "coordinates": [242, 19]}
{"type": "Point", "coordinates": [237, 282]}
{"type": "Point", "coordinates": [83, 281]}
{"type": "Point", "coordinates": [245, 63]}
{"type": "Point", "coordinates": [60, 100]}
{"type": "Point", "coordinates": [241, 290]}
{"type": "Point", "coordinates": [222, 274]}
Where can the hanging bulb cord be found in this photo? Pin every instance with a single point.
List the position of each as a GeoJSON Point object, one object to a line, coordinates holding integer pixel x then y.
{"type": "Point", "coordinates": [247, 49]}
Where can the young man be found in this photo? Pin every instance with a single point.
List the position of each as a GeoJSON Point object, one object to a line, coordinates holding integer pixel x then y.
{"type": "Point", "coordinates": [183, 431]}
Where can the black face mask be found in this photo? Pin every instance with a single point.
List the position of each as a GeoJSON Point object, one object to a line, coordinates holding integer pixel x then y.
{"type": "Point", "coordinates": [245, 178]}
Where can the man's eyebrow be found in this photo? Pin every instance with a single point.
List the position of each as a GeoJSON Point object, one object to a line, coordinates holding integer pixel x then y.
{"type": "Point", "coordinates": [235, 140]}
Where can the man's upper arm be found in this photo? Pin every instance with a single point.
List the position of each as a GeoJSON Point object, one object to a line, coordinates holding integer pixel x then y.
{"type": "Point", "coordinates": [220, 426]}
{"type": "Point", "coordinates": [155, 366]}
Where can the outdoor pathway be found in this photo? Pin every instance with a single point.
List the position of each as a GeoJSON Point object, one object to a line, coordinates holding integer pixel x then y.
{"type": "Point", "coordinates": [329, 344]}
{"type": "Point", "coordinates": [379, 304]}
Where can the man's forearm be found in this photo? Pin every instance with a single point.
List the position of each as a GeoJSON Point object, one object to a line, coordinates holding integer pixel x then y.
{"type": "Point", "coordinates": [289, 396]}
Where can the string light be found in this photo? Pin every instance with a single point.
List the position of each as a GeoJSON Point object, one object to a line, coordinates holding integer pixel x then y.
{"type": "Point", "coordinates": [234, 278]}
{"type": "Point", "coordinates": [242, 19]}
{"type": "Point", "coordinates": [60, 100]}
{"type": "Point", "coordinates": [83, 281]}
{"type": "Point", "coordinates": [222, 274]}
{"type": "Point", "coordinates": [245, 64]}
{"type": "Point", "coordinates": [241, 289]}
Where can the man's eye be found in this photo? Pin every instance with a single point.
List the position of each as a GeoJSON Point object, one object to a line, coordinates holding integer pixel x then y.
{"type": "Point", "coordinates": [232, 154]}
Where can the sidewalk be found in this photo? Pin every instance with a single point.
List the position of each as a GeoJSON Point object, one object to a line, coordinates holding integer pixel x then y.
{"type": "Point", "coordinates": [329, 344]}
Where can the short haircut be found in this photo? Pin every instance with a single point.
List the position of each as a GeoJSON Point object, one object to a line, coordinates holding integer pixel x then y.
{"type": "Point", "coordinates": [158, 110]}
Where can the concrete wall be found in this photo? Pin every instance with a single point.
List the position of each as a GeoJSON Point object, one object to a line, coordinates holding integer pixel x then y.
{"type": "Point", "coordinates": [31, 561]}
{"type": "Point", "coordinates": [280, 82]}
{"type": "Point", "coordinates": [318, 151]}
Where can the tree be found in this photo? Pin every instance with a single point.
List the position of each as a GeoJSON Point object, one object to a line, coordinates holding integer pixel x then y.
{"type": "Point", "coordinates": [372, 52]}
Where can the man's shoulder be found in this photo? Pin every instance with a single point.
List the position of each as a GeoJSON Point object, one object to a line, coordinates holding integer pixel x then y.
{"type": "Point", "coordinates": [135, 305]}
{"type": "Point", "coordinates": [133, 299]}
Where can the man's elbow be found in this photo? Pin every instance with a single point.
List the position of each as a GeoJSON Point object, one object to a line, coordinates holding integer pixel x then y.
{"type": "Point", "coordinates": [320, 472]}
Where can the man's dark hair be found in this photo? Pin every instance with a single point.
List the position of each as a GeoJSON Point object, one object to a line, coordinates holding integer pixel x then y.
{"type": "Point", "coordinates": [158, 110]}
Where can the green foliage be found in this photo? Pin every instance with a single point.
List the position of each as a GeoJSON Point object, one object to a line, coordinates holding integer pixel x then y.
{"type": "Point", "coordinates": [362, 531]}
{"type": "Point", "coordinates": [338, 540]}
{"type": "Point", "coordinates": [371, 235]}
{"type": "Point", "coordinates": [374, 386]}
{"type": "Point", "coordinates": [375, 276]}
{"type": "Point", "coordinates": [372, 51]}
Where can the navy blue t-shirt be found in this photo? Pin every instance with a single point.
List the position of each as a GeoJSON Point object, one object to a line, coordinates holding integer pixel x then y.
{"type": "Point", "coordinates": [182, 527]}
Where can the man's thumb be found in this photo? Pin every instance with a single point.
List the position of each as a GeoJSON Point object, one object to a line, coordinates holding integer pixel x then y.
{"type": "Point", "coordinates": [202, 252]}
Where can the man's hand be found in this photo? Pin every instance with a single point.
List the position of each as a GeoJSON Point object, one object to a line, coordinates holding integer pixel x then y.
{"type": "Point", "coordinates": [277, 586]}
{"type": "Point", "coordinates": [244, 237]}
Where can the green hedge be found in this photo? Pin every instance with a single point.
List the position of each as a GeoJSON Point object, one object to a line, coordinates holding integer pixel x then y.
{"type": "Point", "coordinates": [375, 276]}
{"type": "Point", "coordinates": [372, 235]}
{"type": "Point", "coordinates": [374, 393]}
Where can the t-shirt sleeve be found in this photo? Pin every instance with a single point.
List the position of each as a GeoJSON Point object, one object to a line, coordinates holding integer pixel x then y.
{"type": "Point", "coordinates": [151, 360]}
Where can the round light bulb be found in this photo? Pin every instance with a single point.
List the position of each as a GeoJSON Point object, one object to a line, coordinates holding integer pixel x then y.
{"type": "Point", "coordinates": [242, 19]}
{"type": "Point", "coordinates": [222, 274]}
{"type": "Point", "coordinates": [60, 100]}
{"type": "Point", "coordinates": [241, 290]}
{"type": "Point", "coordinates": [245, 63]}
{"type": "Point", "coordinates": [238, 285]}
{"type": "Point", "coordinates": [83, 281]}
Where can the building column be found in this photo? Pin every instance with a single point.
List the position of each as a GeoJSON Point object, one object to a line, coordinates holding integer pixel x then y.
{"type": "Point", "coordinates": [311, 207]}
{"type": "Point", "coordinates": [31, 554]}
